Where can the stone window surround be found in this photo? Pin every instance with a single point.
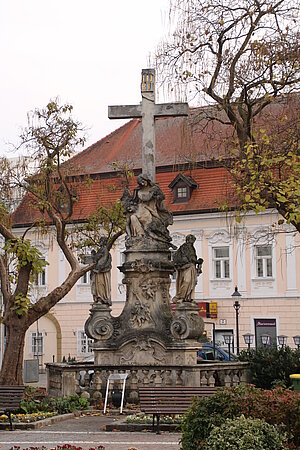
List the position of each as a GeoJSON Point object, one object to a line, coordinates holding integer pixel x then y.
{"type": "Point", "coordinates": [261, 237]}
{"type": "Point", "coordinates": [262, 261]}
{"type": "Point", "coordinates": [219, 239]}
{"type": "Point", "coordinates": [222, 260]}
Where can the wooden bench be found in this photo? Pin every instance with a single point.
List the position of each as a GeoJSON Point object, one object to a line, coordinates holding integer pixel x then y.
{"type": "Point", "coordinates": [10, 398]}
{"type": "Point", "coordinates": [170, 400]}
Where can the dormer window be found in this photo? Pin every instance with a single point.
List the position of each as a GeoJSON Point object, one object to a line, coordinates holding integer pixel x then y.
{"type": "Point", "coordinates": [182, 187]}
{"type": "Point", "coordinates": [182, 192]}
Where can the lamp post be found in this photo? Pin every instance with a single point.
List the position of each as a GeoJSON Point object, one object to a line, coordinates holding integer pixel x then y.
{"type": "Point", "coordinates": [282, 340]}
{"type": "Point", "coordinates": [228, 338]}
{"type": "Point", "coordinates": [297, 341]}
{"type": "Point", "coordinates": [237, 306]}
{"type": "Point", "coordinates": [248, 338]}
{"type": "Point", "coordinates": [265, 339]}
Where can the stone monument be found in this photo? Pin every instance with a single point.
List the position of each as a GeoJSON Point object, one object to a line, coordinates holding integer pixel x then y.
{"type": "Point", "coordinates": [148, 331]}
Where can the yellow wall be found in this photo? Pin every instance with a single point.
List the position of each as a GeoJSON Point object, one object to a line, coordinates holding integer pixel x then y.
{"type": "Point", "coordinates": [276, 298]}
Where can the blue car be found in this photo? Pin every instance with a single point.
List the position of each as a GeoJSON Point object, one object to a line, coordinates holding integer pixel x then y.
{"type": "Point", "coordinates": [206, 353]}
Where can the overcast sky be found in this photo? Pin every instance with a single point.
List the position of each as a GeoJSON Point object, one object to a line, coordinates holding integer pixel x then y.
{"type": "Point", "coordinates": [89, 53]}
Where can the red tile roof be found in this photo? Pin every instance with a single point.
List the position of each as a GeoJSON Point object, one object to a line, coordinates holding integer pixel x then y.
{"type": "Point", "coordinates": [182, 145]}
{"type": "Point", "coordinates": [176, 138]}
{"type": "Point", "coordinates": [214, 185]}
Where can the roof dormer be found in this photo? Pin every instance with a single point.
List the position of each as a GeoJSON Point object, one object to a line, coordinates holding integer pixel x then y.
{"type": "Point", "coordinates": [182, 187]}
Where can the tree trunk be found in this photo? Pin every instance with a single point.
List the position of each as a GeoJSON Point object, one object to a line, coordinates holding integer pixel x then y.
{"type": "Point", "coordinates": [12, 364]}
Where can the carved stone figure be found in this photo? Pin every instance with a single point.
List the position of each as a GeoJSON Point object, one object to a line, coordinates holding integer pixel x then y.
{"type": "Point", "coordinates": [140, 313]}
{"type": "Point", "coordinates": [188, 268]}
{"type": "Point", "coordinates": [145, 211]}
{"type": "Point", "coordinates": [100, 275]}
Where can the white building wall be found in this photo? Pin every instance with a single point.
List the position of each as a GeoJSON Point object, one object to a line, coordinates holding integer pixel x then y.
{"type": "Point", "coordinates": [274, 298]}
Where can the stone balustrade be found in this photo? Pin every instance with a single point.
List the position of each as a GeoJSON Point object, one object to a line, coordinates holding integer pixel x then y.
{"type": "Point", "coordinates": [90, 380]}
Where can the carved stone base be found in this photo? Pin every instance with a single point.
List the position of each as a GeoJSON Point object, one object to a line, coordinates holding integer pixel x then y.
{"type": "Point", "coordinates": [99, 325]}
{"type": "Point", "coordinates": [187, 324]}
{"type": "Point", "coordinates": [148, 331]}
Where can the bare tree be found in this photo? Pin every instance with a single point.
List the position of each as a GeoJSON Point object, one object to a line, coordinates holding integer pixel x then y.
{"type": "Point", "coordinates": [243, 55]}
{"type": "Point", "coordinates": [50, 201]}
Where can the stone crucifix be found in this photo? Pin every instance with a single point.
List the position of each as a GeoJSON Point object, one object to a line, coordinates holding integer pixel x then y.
{"type": "Point", "coordinates": [148, 110]}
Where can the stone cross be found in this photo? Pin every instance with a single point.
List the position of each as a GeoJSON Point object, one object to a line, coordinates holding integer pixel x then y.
{"type": "Point", "coordinates": [148, 110]}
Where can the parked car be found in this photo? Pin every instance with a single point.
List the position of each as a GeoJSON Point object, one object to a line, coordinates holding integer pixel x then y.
{"type": "Point", "coordinates": [206, 353]}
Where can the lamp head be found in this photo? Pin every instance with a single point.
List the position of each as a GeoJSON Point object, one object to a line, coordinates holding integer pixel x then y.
{"type": "Point", "coordinates": [236, 293]}
{"type": "Point", "coordinates": [228, 338]}
{"type": "Point", "coordinates": [248, 338]}
{"type": "Point", "coordinates": [296, 340]}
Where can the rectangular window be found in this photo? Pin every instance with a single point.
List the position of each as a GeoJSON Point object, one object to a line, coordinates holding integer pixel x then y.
{"type": "Point", "coordinates": [37, 343]}
{"type": "Point", "coordinates": [40, 278]}
{"type": "Point", "coordinates": [263, 257]}
{"type": "Point", "coordinates": [181, 192]}
{"type": "Point", "coordinates": [83, 343]}
{"type": "Point", "coordinates": [86, 278]}
{"type": "Point", "coordinates": [221, 262]}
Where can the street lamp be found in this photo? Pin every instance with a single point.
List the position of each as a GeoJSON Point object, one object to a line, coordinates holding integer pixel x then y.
{"type": "Point", "coordinates": [265, 339]}
{"type": "Point", "coordinates": [248, 338]}
{"type": "Point", "coordinates": [282, 340]}
{"type": "Point", "coordinates": [297, 341]}
{"type": "Point", "coordinates": [237, 306]}
{"type": "Point", "coordinates": [228, 338]}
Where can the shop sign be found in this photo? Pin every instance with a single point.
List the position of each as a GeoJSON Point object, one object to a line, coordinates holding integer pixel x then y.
{"type": "Point", "coordinates": [213, 310]}
{"type": "Point", "coordinates": [265, 322]}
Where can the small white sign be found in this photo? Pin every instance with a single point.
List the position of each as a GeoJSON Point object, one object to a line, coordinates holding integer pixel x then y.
{"type": "Point", "coordinates": [112, 377]}
{"type": "Point", "coordinates": [223, 322]}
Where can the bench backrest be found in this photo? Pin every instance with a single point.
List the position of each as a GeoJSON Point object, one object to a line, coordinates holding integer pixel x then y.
{"type": "Point", "coordinates": [171, 399]}
{"type": "Point", "coordinates": [10, 397]}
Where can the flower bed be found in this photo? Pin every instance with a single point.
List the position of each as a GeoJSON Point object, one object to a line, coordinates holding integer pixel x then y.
{"type": "Point", "coordinates": [28, 418]}
{"type": "Point", "coordinates": [145, 419]}
{"type": "Point", "coordinates": [58, 447]}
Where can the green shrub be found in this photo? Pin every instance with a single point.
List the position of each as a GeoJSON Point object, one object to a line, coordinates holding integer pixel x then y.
{"type": "Point", "coordinates": [277, 407]}
{"type": "Point", "coordinates": [269, 366]}
{"type": "Point", "coordinates": [245, 434]}
{"type": "Point", "coordinates": [207, 412]}
{"type": "Point", "coordinates": [69, 404]}
{"type": "Point", "coordinates": [62, 405]}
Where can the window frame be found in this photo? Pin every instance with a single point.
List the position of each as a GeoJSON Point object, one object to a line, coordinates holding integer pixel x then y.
{"type": "Point", "coordinates": [83, 340]}
{"type": "Point", "coordinates": [87, 277]}
{"type": "Point", "coordinates": [36, 349]}
{"type": "Point", "coordinates": [265, 259]}
{"type": "Point", "coordinates": [222, 261]}
{"type": "Point", "coordinates": [40, 276]}
{"type": "Point", "coordinates": [179, 198]}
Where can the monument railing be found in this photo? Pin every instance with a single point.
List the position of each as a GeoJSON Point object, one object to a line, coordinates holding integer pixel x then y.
{"type": "Point", "coordinates": [90, 380]}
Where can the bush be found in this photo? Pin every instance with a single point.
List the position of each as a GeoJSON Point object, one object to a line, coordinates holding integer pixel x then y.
{"type": "Point", "coordinates": [269, 366]}
{"type": "Point", "coordinates": [245, 434]}
{"type": "Point", "coordinates": [277, 407]}
{"type": "Point", "coordinates": [207, 412]}
{"type": "Point", "coordinates": [61, 405]}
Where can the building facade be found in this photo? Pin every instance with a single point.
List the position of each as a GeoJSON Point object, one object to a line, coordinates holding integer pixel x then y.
{"type": "Point", "coordinates": [261, 262]}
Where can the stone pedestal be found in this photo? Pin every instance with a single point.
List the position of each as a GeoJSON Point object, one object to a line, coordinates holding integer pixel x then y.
{"type": "Point", "coordinates": [187, 324]}
{"type": "Point", "coordinates": [148, 331]}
